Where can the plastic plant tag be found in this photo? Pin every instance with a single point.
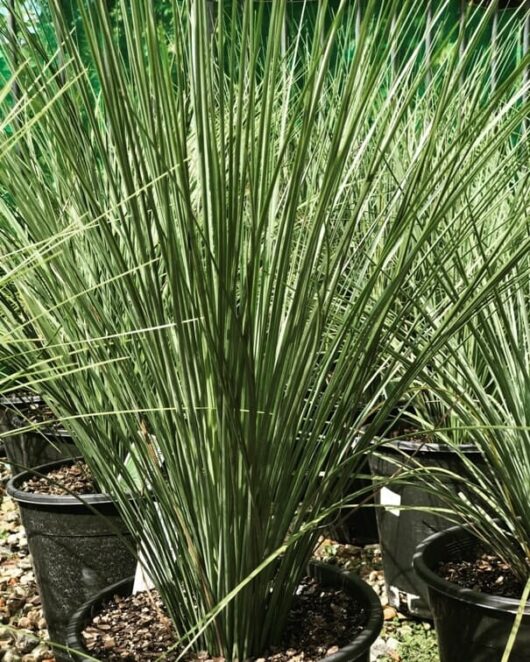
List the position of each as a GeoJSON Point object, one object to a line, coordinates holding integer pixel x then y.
{"type": "Point", "coordinates": [142, 581]}
{"type": "Point", "coordinates": [389, 500]}
{"type": "Point", "coordinates": [412, 599]}
{"type": "Point", "coordinates": [393, 597]}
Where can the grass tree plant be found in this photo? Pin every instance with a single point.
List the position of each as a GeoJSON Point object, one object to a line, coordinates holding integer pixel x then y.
{"type": "Point", "coordinates": [487, 394]}
{"type": "Point", "coordinates": [209, 247]}
{"type": "Point", "coordinates": [494, 415]}
{"type": "Point", "coordinates": [431, 409]}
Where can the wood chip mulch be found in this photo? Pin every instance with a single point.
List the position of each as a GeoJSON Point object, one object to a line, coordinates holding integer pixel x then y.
{"type": "Point", "coordinates": [135, 629]}
{"type": "Point", "coordinates": [485, 574]}
{"type": "Point", "coordinates": [131, 628]}
{"type": "Point", "coordinates": [70, 478]}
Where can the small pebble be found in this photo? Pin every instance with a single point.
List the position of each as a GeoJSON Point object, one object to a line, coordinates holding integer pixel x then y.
{"type": "Point", "coordinates": [389, 613]}
{"type": "Point", "coordinates": [25, 643]}
{"type": "Point", "coordinates": [41, 653]}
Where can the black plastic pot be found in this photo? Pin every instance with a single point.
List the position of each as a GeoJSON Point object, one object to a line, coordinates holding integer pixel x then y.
{"type": "Point", "coordinates": [32, 448]}
{"type": "Point", "coordinates": [78, 547]}
{"type": "Point", "coordinates": [359, 526]}
{"type": "Point", "coordinates": [357, 651]}
{"type": "Point", "coordinates": [401, 531]}
{"type": "Point", "coordinates": [471, 626]}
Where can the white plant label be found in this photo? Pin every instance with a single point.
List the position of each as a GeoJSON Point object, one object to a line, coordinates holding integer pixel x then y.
{"type": "Point", "coordinates": [389, 500]}
{"type": "Point", "coordinates": [141, 580]}
{"type": "Point", "coordinates": [411, 600]}
{"type": "Point", "coordinates": [393, 597]}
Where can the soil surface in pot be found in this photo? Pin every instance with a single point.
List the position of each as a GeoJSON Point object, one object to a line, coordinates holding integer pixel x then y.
{"type": "Point", "coordinates": [487, 573]}
{"type": "Point", "coordinates": [136, 629]}
{"type": "Point", "coordinates": [28, 409]}
{"type": "Point", "coordinates": [70, 478]}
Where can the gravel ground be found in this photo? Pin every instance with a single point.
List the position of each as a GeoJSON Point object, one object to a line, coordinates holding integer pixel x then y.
{"type": "Point", "coordinates": [23, 629]}
{"type": "Point", "coordinates": [402, 639]}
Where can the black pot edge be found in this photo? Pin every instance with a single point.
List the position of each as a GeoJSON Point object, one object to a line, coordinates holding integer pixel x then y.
{"type": "Point", "coordinates": [51, 500]}
{"type": "Point", "coordinates": [74, 639]}
{"type": "Point", "coordinates": [509, 606]}
{"type": "Point", "coordinates": [45, 429]}
{"type": "Point", "coordinates": [372, 628]}
{"type": "Point", "coordinates": [428, 447]}
{"type": "Point", "coordinates": [358, 647]}
{"type": "Point", "coordinates": [14, 400]}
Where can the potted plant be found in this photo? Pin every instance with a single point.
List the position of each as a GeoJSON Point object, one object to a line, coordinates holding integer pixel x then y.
{"type": "Point", "coordinates": [329, 577]}
{"type": "Point", "coordinates": [423, 438]}
{"type": "Point", "coordinates": [221, 225]}
{"type": "Point", "coordinates": [407, 513]}
{"type": "Point", "coordinates": [31, 435]}
{"type": "Point", "coordinates": [428, 428]}
{"type": "Point", "coordinates": [76, 537]}
{"type": "Point", "coordinates": [493, 544]}
{"type": "Point", "coordinates": [471, 621]}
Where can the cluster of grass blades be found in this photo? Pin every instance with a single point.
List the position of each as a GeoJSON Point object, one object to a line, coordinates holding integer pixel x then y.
{"type": "Point", "coordinates": [215, 251]}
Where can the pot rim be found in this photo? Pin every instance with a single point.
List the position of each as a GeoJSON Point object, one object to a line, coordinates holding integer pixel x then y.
{"type": "Point", "coordinates": [487, 601]}
{"type": "Point", "coordinates": [47, 429]}
{"type": "Point", "coordinates": [371, 629]}
{"type": "Point", "coordinates": [360, 645]}
{"type": "Point", "coordinates": [55, 500]}
{"type": "Point", "coordinates": [427, 447]}
{"type": "Point", "coordinates": [18, 399]}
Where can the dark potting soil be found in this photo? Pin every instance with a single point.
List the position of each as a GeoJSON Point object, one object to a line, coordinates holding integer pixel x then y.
{"type": "Point", "coordinates": [485, 574]}
{"type": "Point", "coordinates": [136, 628]}
{"type": "Point", "coordinates": [69, 478]}
{"type": "Point", "coordinates": [35, 412]}
{"type": "Point", "coordinates": [26, 408]}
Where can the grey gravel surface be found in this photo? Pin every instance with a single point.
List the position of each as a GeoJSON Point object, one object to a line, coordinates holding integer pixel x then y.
{"type": "Point", "coordinates": [22, 626]}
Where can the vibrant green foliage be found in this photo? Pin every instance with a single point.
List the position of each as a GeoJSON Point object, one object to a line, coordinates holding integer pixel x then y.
{"type": "Point", "coordinates": [493, 405]}
{"type": "Point", "coordinates": [417, 641]}
{"type": "Point", "coordinates": [216, 256]}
